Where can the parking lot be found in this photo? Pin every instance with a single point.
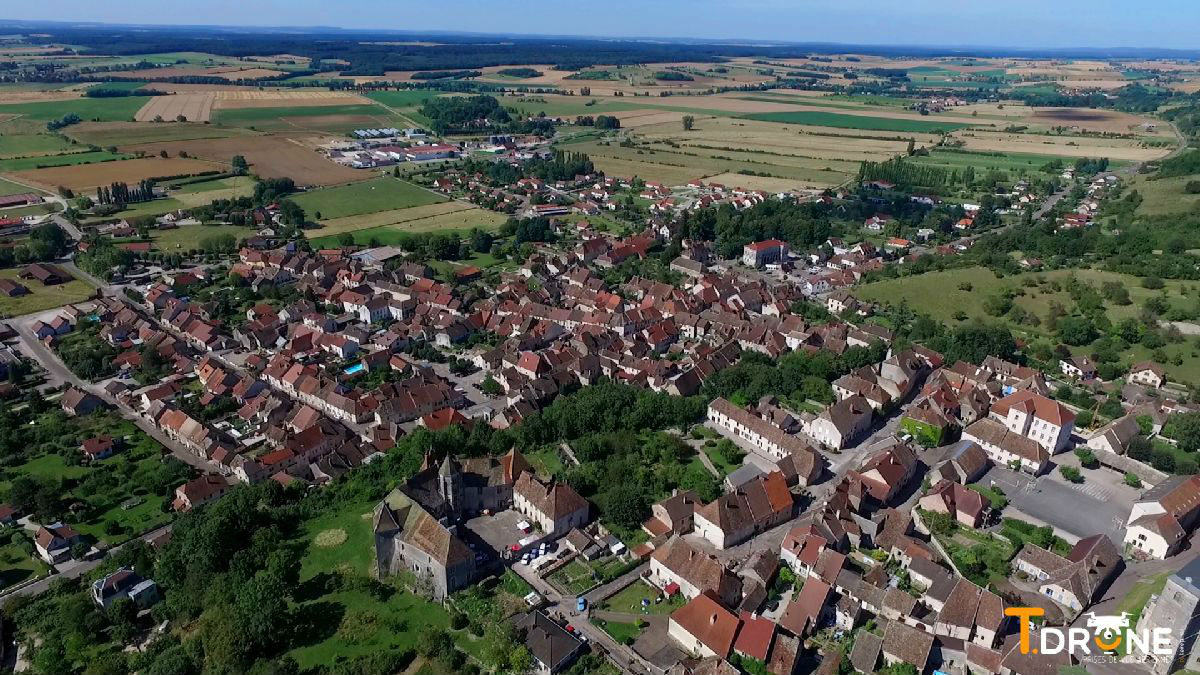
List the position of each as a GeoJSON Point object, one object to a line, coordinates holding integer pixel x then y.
{"type": "Point", "coordinates": [1075, 511]}
{"type": "Point", "coordinates": [496, 533]}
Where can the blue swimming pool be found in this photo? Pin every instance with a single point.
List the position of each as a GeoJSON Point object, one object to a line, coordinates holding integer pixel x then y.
{"type": "Point", "coordinates": [354, 369]}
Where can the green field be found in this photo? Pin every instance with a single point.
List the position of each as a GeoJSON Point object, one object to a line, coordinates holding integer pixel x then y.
{"type": "Point", "coordinates": [1007, 161]}
{"type": "Point", "coordinates": [943, 294]}
{"type": "Point", "coordinates": [235, 182]}
{"type": "Point", "coordinates": [1165, 196]}
{"type": "Point", "coordinates": [629, 599]}
{"type": "Point", "coordinates": [189, 237]}
{"type": "Point", "coordinates": [93, 109]}
{"type": "Point", "coordinates": [35, 210]}
{"type": "Point", "coordinates": [840, 121]}
{"type": "Point", "coordinates": [380, 194]}
{"type": "Point", "coordinates": [24, 145]}
{"type": "Point", "coordinates": [401, 99]}
{"type": "Point", "coordinates": [119, 86]}
{"type": "Point", "coordinates": [253, 116]}
{"type": "Point", "coordinates": [27, 163]}
{"type": "Point", "coordinates": [8, 187]}
{"type": "Point", "coordinates": [154, 207]}
{"type": "Point", "coordinates": [134, 133]}
{"type": "Point", "coordinates": [40, 297]}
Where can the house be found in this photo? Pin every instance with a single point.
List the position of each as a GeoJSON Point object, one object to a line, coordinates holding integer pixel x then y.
{"type": "Point", "coordinates": [1114, 437]}
{"type": "Point", "coordinates": [99, 447]}
{"type": "Point", "coordinates": [1077, 580]}
{"type": "Point", "coordinates": [1148, 373]}
{"type": "Point", "coordinates": [762, 253]}
{"type": "Point", "coordinates": [1163, 517]}
{"type": "Point", "coordinates": [54, 542]}
{"type": "Point", "coordinates": [551, 646]}
{"type": "Point", "coordinates": [904, 644]}
{"type": "Point", "coordinates": [554, 507]}
{"type": "Point", "coordinates": [200, 491]}
{"type": "Point", "coordinates": [1042, 420]}
{"type": "Point", "coordinates": [752, 507]}
{"type": "Point", "coordinates": [886, 473]}
{"type": "Point", "coordinates": [673, 515]}
{"type": "Point", "coordinates": [965, 463]}
{"type": "Point", "coordinates": [756, 636]}
{"type": "Point", "coordinates": [703, 627]}
{"type": "Point", "coordinates": [77, 402]}
{"type": "Point", "coordinates": [962, 504]}
{"type": "Point", "coordinates": [764, 436]}
{"type": "Point", "coordinates": [676, 567]}
{"type": "Point", "coordinates": [48, 275]}
{"type": "Point", "coordinates": [124, 584]}
{"type": "Point", "coordinates": [12, 289]}
{"type": "Point", "coordinates": [1078, 368]}
{"type": "Point", "coordinates": [808, 609]}
{"type": "Point", "coordinates": [1007, 448]}
{"type": "Point", "coordinates": [841, 422]}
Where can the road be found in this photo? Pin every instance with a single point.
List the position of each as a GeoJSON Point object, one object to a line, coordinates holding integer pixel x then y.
{"type": "Point", "coordinates": [558, 606]}
{"type": "Point", "coordinates": [76, 571]}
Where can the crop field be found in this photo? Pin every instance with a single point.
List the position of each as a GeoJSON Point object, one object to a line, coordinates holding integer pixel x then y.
{"type": "Point", "coordinates": [27, 163]}
{"type": "Point", "coordinates": [365, 221]}
{"type": "Point", "coordinates": [416, 219]}
{"type": "Point", "coordinates": [949, 158]}
{"type": "Point", "coordinates": [253, 98]}
{"type": "Point", "coordinates": [843, 121]}
{"type": "Point", "coordinates": [121, 134]}
{"type": "Point", "coordinates": [94, 109]}
{"type": "Point", "coordinates": [31, 145]}
{"type": "Point", "coordinates": [1061, 146]}
{"type": "Point", "coordinates": [191, 107]}
{"type": "Point", "coordinates": [40, 297]}
{"type": "Point", "coordinates": [258, 116]}
{"type": "Point", "coordinates": [82, 177]}
{"type": "Point", "coordinates": [401, 99]}
{"type": "Point", "coordinates": [380, 194]}
{"type": "Point", "coordinates": [8, 187]}
{"type": "Point", "coordinates": [190, 236]}
{"type": "Point", "coordinates": [269, 157]}
{"type": "Point", "coordinates": [1096, 120]}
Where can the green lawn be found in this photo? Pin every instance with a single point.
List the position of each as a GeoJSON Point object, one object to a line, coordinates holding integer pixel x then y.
{"type": "Point", "coordinates": [402, 99]}
{"type": "Point", "coordinates": [217, 184]}
{"type": "Point", "coordinates": [622, 632]}
{"type": "Point", "coordinates": [154, 207]}
{"type": "Point", "coordinates": [189, 237]}
{"type": "Point", "coordinates": [1137, 597]}
{"type": "Point", "coordinates": [18, 562]}
{"type": "Point", "coordinates": [380, 194]}
{"type": "Point", "coordinates": [40, 297]}
{"type": "Point", "coordinates": [27, 163]}
{"type": "Point", "coordinates": [718, 461]}
{"type": "Point", "coordinates": [629, 599]}
{"type": "Point", "coordinates": [1007, 161]}
{"type": "Point", "coordinates": [574, 578]}
{"type": "Point", "coordinates": [546, 462]}
{"type": "Point", "coordinates": [119, 86]}
{"type": "Point", "coordinates": [840, 121]}
{"type": "Point", "coordinates": [459, 222]}
{"type": "Point", "coordinates": [35, 210]}
{"type": "Point", "coordinates": [8, 187]}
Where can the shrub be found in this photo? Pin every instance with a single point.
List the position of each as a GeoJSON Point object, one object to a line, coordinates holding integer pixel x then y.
{"type": "Point", "coordinates": [1132, 479]}
{"type": "Point", "coordinates": [1071, 473]}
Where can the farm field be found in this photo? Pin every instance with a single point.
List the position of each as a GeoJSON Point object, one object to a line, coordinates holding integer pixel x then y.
{"type": "Point", "coordinates": [1062, 146]}
{"type": "Point", "coordinates": [94, 109]}
{"type": "Point", "coordinates": [253, 98]}
{"type": "Point", "coordinates": [189, 236]}
{"type": "Point", "coordinates": [176, 107]}
{"type": "Point", "coordinates": [133, 133]}
{"type": "Point", "coordinates": [380, 194]}
{"type": "Point", "coordinates": [949, 158]}
{"type": "Point", "coordinates": [154, 207]}
{"type": "Point", "coordinates": [396, 216]}
{"type": "Point", "coordinates": [40, 297]}
{"type": "Point", "coordinates": [34, 210]}
{"type": "Point", "coordinates": [844, 121]}
{"type": "Point", "coordinates": [269, 157]}
{"type": "Point", "coordinates": [27, 163]}
{"type": "Point", "coordinates": [8, 187]}
{"type": "Point", "coordinates": [81, 177]}
{"type": "Point", "coordinates": [28, 145]}
{"type": "Point", "coordinates": [455, 221]}
{"type": "Point", "coordinates": [263, 118]}
{"type": "Point", "coordinates": [1165, 196]}
{"type": "Point", "coordinates": [200, 194]}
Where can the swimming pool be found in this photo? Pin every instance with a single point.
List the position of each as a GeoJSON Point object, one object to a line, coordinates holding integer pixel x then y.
{"type": "Point", "coordinates": [354, 368]}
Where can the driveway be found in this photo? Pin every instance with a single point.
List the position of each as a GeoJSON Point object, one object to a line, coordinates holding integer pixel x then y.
{"type": "Point", "coordinates": [1074, 511]}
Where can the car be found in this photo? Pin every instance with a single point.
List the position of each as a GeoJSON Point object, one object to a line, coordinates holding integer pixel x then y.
{"type": "Point", "coordinates": [580, 604]}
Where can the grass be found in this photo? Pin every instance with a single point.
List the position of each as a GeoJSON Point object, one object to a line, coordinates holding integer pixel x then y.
{"type": "Point", "coordinates": [34, 210]}
{"type": "Point", "coordinates": [546, 462]}
{"type": "Point", "coordinates": [18, 563]}
{"type": "Point", "coordinates": [629, 599]}
{"type": "Point", "coordinates": [1135, 600]}
{"type": "Point", "coordinates": [1008, 161]}
{"type": "Point", "coordinates": [217, 184]}
{"type": "Point", "coordinates": [154, 207]}
{"type": "Point", "coordinates": [401, 99]}
{"type": "Point", "coordinates": [253, 116]}
{"type": "Point", "coordinates": [354, 620]}
{"type": "Point", "coordinates": [718, 461]}
{"type": "Point", "coordinates": [27, 163]}
{"type": "Point", "coordinates": [7, 187]}
{"type": "Point", "coordinates": [1165, 196]}
{"type": "Point", "coordinates": [574, 578]}
{"type": "Point", "coordinates": [189, 236]}
{"type": "Point", "coordinates": [380, 194]}
{"type": "Point", "coordinates": [458, 221]}
{"type": "Point", "coordinates": [621, 631]}
{"type": "Point", "coordinates": [24, 145]}
{"type": "Point", "coordinates": [130, 133]}
{"type": "Point", "coordinates": [840, 121]}
{"type": "Point", "coordinates": [93, 109]}
{"type": "Point", "coordinates": [40, 297]}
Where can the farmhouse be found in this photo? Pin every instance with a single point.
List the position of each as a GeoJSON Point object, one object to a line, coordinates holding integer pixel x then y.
{"type": "Point", "coordinates": [1148, 373]}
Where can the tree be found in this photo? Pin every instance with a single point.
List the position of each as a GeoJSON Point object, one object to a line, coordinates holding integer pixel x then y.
{"type": "Point", "coordinates": [689, 121]}
{"type": "Point", "coordinates": [1077, 330]}
{"type": "Point", "coordinates": [481, 240]}
{"type": "Point", "coordinates": [1071, 473]}
{"type": "Point", "coordinates": [239, 164]}
{"type": "Point", "coordinates": [490, 387]}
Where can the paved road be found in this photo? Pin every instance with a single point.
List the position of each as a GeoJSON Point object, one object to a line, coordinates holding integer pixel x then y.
{"type": "Point", "coordinates": [558, 606]}
{"type": "Point", "coordinates": [1074, 511]}
{"type": "Point", "coordinates": [75, 571]}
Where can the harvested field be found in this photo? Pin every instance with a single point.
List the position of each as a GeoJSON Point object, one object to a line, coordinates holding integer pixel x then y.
{"type": "Point", "coordinates": [1093, 120]}
{"type": "Point", "coordinates": [641, 118]}
{"type": "Point", "coordinates": [279, 99]}
{"type": "Point", "coordinates": [121, 134]}
{"type": "Point", "coordinates": [1065, 146]}
{"type": "Point", "coordinates": [190, 88]}
{"type": "Point", "coordinates": [226, 72]}
{"type": "Point", "coordinates": [854, 120]}
{"type": "Point", "coordinates": [193, 107]}
{"type": "Point", "coordinates": [442, 210]}
{"type": "Point", "coordinates": [456, 221]}
{"type": "Point", "coordinates": [228, 188]}
{"type": "Point", "coordinates": [269, 157]}
{"type": "Point", "coordinates": [82, 177]}
{"type": "Point", "coordinates": [755, 182]}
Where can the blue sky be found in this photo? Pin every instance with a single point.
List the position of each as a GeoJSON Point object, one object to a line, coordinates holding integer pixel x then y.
{"type": "Point", "coordinates": [1016, 23]}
